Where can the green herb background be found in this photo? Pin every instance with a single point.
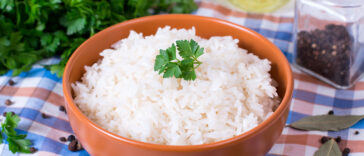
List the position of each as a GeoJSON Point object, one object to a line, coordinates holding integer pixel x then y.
{"type": "Point", "coordinates": [32, 30]}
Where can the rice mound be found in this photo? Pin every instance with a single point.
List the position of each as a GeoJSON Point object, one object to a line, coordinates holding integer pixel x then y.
{"type": "Point", "coordinates": [233, 91]}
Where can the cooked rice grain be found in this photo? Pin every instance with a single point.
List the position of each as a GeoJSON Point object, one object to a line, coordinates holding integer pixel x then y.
{"type": "Point", "coordinates": [122, 93]}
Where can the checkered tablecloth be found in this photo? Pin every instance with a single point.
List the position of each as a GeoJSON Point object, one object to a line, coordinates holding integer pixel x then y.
{"type": "Point", "coordinates": [38, 91]}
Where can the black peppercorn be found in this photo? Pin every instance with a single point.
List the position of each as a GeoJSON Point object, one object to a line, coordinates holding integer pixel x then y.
{"type": "Point", "coordinates": [63, 139]}
{"type": "Point", "coordinates": [338, 139]}
{"type": "Point", "coordinates": [71, 138]}
{"type": "Point", "coordinates": [324, 139]}
{"type": "Point", "coordinates": [72, 146]}
{"type": "Point", "coordinates": [11, 82]}
{"type": "Point", "coordinates": [346, 151]}
{"type": "Point", "coordinates": [75, 146]}
{"type": "Point", "coordinates": [61, 108]}
{"type": "Point", "coordinates": [45, 116]}
{"type": "Point", "coordinates": [33, 150]}
{"type": "Point", "coordinates": [8, 102]}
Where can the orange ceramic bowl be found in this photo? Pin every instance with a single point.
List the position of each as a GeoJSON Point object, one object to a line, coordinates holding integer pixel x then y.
{"type": "Point", "coordinates": [257, 141]}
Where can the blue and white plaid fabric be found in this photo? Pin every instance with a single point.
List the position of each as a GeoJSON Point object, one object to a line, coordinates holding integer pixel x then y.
{"type": "Point", "coordinates": [38, 91]}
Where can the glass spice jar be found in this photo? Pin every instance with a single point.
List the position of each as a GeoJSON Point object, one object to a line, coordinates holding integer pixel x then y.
{"type": "Point", "coordinates": [329, 40]}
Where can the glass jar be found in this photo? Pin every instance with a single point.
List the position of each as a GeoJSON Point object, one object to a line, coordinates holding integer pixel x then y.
{"type": "Point", "coordinates": [329, 40]}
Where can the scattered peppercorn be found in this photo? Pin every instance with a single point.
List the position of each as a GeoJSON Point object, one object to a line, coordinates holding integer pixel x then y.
{"type": "Point", "coordinates": [324, 139]}
{"type": "Point", "coordinates": [356, 132]}
{"type": "Point", "coordinates": [331, 112]}
{"type": "Point", "coordinates": [346, 151]}
{"type": "Point", "coordinates": [338, 139]}
{"type": "Point", "coordinates": [75, 146]}
{"type": "Point", "coordinates": [45, 116]}
{"type": "Point", "coordinates": [63, 139]}
{"type": "Point", "coordinates": [71, 138]}
{"type": "Point", "coordinates": [8, 102]}
{"type": "Point", "coordinates": [11, 82]}
{"type": "Point", "coordinates": [33, 150]}
{"type": "Point", "coordinates": [326, 52]}
{"type": "Point", "coordinates": [61, 108]}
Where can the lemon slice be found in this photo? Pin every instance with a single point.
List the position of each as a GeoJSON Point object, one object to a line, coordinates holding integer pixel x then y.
{"type": "Point", "coordinates": [259, 6]}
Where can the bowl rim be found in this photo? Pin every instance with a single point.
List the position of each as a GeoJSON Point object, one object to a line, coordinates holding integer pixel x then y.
{"type": "Point", "coordinates": [219, 144]}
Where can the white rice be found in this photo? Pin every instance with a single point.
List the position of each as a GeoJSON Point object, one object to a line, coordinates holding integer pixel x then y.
{"type": "Point", "coordinates": [122, 93]}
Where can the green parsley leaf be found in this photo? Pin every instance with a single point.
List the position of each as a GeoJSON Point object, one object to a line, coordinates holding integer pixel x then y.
{"type": "Point", "coordinates": [44, 28]}
{"type": "Point", "coordinates": [184, 48]}
{"type": "Point", "coordinates": [188, 69]}
{"type": "Point", "coordinates": [196, 50]}
{"type": "Point", "coordinates": [172, 69]}
{"type": "Point", "coordinates": [160, 63]}
{"type": "Point", "coordinates": [171, 51]}
{"type": "Point", "coordinates": [11, 121]}
{"type": "Point", "coordinates": [189, 75]}
{"type": "Point", "coordinates": [1, 138]}
{"type": "Point", "coordinates": [199, 52]}
{"type": "Point", "coordinates": [168, 63]}
{"type": "Point", "coordinates": [74, 21]}
{"type": "Point", "coordinates": [17, 142]}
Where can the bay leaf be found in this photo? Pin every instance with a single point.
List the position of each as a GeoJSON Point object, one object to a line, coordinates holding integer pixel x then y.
{"type": "Point", "coordinates": [326, 122]}
{"type": "Point", "coordinates": [329, 148]}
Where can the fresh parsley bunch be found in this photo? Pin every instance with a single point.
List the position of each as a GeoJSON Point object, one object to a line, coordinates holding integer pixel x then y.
{"type": "Point", "coordinates": [17, 142]}
{"type": "Point", "coordinates": [35, 29]}
{"type": "Point", "coordinates": [168, 63]}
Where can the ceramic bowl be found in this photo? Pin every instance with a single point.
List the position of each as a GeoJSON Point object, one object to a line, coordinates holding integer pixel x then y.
{"type": "Point", "coordinates": [257, 141]}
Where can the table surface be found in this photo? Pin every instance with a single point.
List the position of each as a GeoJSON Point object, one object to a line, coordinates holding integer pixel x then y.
{"type": "Point", "coordinates": [38, 91]}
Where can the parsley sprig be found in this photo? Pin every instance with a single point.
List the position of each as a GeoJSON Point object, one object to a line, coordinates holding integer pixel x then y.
{"type": "Point", "coordinates": [17, 142]}
{"type": "Point", "coordinates": [31, 30]}
{"type": "Point", "coordinates": [168, 63]}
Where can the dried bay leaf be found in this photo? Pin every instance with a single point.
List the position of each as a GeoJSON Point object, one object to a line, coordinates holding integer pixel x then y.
{"type": "Point", "coordinates": [330, 148]}
{"type": "Point", "coordinates": [326, 122]}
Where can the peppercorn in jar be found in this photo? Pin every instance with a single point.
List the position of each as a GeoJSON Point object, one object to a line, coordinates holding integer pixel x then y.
{"type": "Point", "coordinates": [327, 40]}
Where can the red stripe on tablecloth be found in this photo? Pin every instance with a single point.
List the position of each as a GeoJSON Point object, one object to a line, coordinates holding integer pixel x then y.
{"type": "Point", "coordinates": [228, 12]}
{"type": "Point", "coordinates": [41, 93]}
{"type": "Point", "coordinates": [310, 79]}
